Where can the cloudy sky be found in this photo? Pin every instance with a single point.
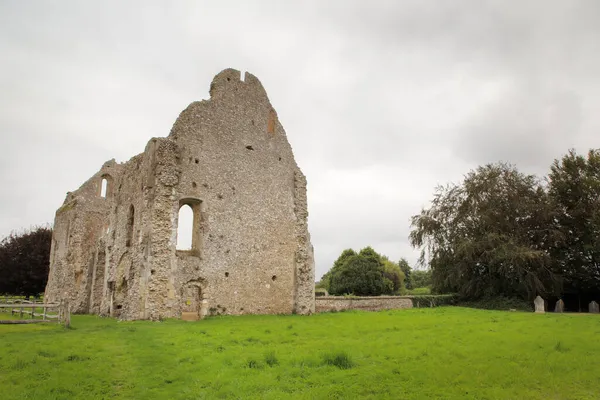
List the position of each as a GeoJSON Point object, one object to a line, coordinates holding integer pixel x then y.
{"type": "Point", "coordinates": [381, 100]}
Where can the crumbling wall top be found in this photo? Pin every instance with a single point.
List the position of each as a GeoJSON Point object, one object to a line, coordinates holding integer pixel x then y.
{"type": "Point", "coordinates": [233, 80]}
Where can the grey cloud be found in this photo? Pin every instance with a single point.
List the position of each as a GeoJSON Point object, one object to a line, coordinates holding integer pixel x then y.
{"type": "Point", "coordinates": [381, 100]}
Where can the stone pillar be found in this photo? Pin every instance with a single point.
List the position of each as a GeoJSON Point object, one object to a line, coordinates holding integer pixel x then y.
{"type": "Point", "coordinates": [594, 309]}
{"type": "Point", "coordinates": [560, 306]}
{"type": "Point", "coordinates": [539, 305]}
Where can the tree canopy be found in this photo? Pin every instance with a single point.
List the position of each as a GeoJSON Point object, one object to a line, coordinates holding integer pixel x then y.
{"type": "Point", "coordinates": [574, 187]}
{"type": "Point", "coordinates": [484, 236]}
{"type": "Point", "coordinates": [365, 273]}
{"type": "Point", "coordinates": [24, 262]}
{"type": "Point", "coordinates": [503, 232]}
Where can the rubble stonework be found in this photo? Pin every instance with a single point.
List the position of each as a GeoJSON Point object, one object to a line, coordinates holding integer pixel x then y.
{"type": "Point", "coordinates": [228, 158]}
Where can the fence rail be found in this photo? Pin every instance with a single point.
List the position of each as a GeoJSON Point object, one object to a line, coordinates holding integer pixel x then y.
{"type": "Point", "coordinates": [49, 312]}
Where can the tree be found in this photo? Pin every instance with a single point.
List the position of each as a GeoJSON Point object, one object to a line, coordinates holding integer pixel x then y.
{"type": "Point", "coordinates": [487, 235]}
{"type": "Point", "coordinates": [574, 187]}
{"type": "Point", "coordinates": [421, 278]}
{"type": "Point", "coordinates": [363, 274]}
{"type": "Point", "coordinates": [24, 261]}
{"type": "Point", "coordinates": [405, 267]}
{"type": "Point", "coordinates": [393, 273]}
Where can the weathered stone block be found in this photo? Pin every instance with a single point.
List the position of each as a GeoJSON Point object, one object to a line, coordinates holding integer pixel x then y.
{"type": "Point", "coordinates": [593, 308]}
{"type": "Point", "coordinates": [560, 306]}
{"type": "Point", "coordinates": [539, 305]}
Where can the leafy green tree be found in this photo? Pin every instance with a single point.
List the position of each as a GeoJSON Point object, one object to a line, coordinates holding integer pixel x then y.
{"type": "Point", "coordinates": [394, 275]}
{"type": "Point", "coordinates": [366, 273]}
{"type": "Point", "coordinates": [421, 278]}
{"type": "Point", "coordinates": [24, 262]}
{"type": "Point", "coordinates": [405, 267]}
{"type": "Point", "coordinates": [485, 235]}
{"type": "Point", "coordinates": [574, 187]}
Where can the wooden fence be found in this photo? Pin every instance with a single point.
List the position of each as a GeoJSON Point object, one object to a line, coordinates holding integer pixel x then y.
{"type": "Point", "coordinates": [49, 312]}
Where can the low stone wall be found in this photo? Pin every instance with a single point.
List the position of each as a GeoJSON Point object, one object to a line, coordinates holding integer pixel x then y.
{"type": "Point", "coordinates": [339, 303]}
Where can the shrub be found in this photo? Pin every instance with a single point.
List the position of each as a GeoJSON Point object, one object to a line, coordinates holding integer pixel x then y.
{"type": "Point", "coordinates": [340, 359]}
{"type": "Point", "coordinates": [498, 303]}
{"type": "Point", "coordinates": [434, 300]}
{"type": "Point", "coordinates": [271, 359]}
{"type": "Point", "coordinates": [420, 291]}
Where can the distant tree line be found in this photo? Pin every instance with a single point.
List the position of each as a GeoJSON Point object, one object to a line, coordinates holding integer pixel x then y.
{"type": "Point", "coordinates": [368, 273]}
{"type": "Point", "coordinates": [24, 262]}
{"type": "Point", "coordinates": [501, 232]}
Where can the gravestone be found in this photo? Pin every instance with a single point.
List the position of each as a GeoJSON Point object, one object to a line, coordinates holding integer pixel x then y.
{"type": "Point", "coordinates": [539, 305]}
{"type": "Point", "coordinates": [594, 308]}
{"type": "Point", "coordinates": [560, 306]}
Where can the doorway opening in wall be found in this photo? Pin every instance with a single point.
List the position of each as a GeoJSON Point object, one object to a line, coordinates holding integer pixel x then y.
{"type": "Point", "coordinates": [185, 226]}
{"type": "Point", "coordinates": [104, 187]}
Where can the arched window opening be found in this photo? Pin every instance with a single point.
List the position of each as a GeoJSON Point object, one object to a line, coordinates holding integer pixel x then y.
{"type": "Point", "coordinates": [104, 187]}
{"type": "Point", "coordinates": [185, 227]}
{"type": "Point", "coordinates": [130, 222]}
{"type": "Point", "coordinates": [189, 227]}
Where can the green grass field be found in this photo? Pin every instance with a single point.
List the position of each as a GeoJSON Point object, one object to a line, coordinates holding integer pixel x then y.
{"type": "Point", "coordinates": [440, 353]}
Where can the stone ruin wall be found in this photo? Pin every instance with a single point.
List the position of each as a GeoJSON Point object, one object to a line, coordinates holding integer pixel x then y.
{"type": "Point", "coordinates": [228, 158]}
{"type": "Point", "coordinates": [366, 303]}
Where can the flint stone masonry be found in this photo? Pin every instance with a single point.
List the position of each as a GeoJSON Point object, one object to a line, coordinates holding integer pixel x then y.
{"type": "Point", "coordinates": [228, 158]}
{"type": "Point", "coordinates": [539, 305]}
{"type": "Point", "coordinates": [375, 303]}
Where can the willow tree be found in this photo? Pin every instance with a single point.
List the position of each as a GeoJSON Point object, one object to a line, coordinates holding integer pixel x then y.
{"type": "Point", "coordinates": [488, 235]}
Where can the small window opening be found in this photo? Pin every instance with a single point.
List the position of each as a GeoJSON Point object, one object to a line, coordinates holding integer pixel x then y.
{"type": "Point", "coordinates": [104, 187]}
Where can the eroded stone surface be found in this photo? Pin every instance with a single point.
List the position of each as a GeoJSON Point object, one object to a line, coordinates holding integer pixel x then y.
{"type": "Point", "coordinates": [228, 158]}
{"type": "Point", "coordinates": [593, 308]}
{"type": "Point", "coordinates": [539, 305]}
{"type": "Point", "coordinates": [560, 306]}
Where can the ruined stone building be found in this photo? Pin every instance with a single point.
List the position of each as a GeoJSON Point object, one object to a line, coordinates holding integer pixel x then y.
{"type": "Point", "coordinates": [114, 247]}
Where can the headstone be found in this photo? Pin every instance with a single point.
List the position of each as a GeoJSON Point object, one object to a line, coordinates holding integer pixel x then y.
{"type": "Point", "coordinates": [539, 305]}
{"type": "Point", "coordinates": [594, 307]}
{"type": "Point", "coordinates": [560, 306]}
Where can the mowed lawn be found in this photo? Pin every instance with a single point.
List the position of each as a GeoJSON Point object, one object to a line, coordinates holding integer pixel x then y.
{"type": "Point", "coordinates": [440, 353]}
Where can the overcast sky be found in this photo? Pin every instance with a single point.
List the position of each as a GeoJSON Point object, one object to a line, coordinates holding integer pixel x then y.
{"type": "Point", "coordinates": [381, 100]}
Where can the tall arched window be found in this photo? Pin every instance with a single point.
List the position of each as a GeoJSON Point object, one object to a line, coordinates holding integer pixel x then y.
{"type": "Point", "coordinates": [185, 226]}
{"type": "Point", "coordinates": [189, 228]}
{"type": "Point", "coordinates": [104, 187]}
